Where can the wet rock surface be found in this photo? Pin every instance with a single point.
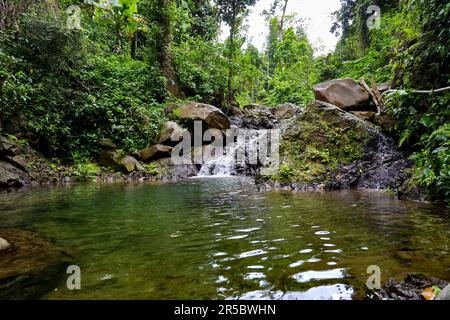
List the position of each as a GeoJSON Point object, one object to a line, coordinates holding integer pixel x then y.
{"type": "Point", "coordinates": [21, 166]}
{"type": "Point", "coordinates": [324, 135]}
{"type": "Point", "coordinates": [30, 266]}
{"type": "Point", "coordinates": [410, 288]}
{"type": "Point", "coordinates": [169, 171]}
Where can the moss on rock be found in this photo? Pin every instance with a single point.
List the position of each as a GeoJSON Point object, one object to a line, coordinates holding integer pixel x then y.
{"type": "Point", "coordinates": [317, 142]}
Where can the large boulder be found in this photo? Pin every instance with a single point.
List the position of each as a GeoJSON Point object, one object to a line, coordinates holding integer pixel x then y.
{"type": "Point", "coordinates": [21, 165]}
{"type": "Point", "coordinates": [114, 160]}
{"type": "Point", "coordinates": [210, 115]}
{"type": "Point", "coordinates": [8, 146]}
{"type": "Point", "coordinates": [170, 132]}
{"type": "Point", "coordinates": [130, 164]}
{"type": "Point", "coordinates": [364, 115]}
{"type": "Point", "coordinates": [344, 93]}
{"type": "Point", "coordinates": [29, 265]}
{"type": "Point", "coordinates": [168, 170]}
{"type": "Point", "coordinates": [155, 152]}
{"type": "Point", "coordinates": [258, 117]}
{"type": "Point", "coordinates": [11, 176]}
{"type": "Point", "coordinates": [285, 111]}
{"type": "Point", "coordinates": [325, 147]}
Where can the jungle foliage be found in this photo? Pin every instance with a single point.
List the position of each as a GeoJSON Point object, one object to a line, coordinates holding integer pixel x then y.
{"type": "Point", "coordinates": [65, 89]}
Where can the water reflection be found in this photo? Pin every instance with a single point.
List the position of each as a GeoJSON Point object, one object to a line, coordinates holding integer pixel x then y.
{"type": "Point", "coordinates": [231, 241]}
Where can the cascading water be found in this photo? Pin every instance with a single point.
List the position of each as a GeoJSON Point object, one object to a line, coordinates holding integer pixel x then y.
{"type": "Point", "coordinates": [226, 164]}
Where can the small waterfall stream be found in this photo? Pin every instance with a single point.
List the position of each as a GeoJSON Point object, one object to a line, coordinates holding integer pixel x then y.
{"type": "Point", "coordinates": [225, 164]}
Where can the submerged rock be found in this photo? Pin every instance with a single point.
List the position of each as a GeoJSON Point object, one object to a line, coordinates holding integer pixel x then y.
{"type": "Point", "coordinates": [30, 266]}
{"type": "Point", "coordinates": [344, 93]}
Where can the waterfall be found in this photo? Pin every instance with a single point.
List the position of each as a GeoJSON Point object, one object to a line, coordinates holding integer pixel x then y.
{"type": "Point", "coordinates": [227, 163]}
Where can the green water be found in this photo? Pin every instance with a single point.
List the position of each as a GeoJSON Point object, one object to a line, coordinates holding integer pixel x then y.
{"type": "Point", "coordinates": [219, 239]}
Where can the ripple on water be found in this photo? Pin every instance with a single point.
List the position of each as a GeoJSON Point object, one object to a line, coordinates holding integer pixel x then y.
{"type": "Point", "coordinates": [324, 232]}
{"type": "Point", "coordinates": [254, 275]}
{"type": "Point", "coordinates": [255, 267]}
{"type": "Point", "coordinates": [237, 237]}
{"type": "Point", "coordinates": [329, 292]}
{"type": "Point", "coordinates": [219, 254]}
{"type": "Point", "coordinates": [251, 253]}
{"type": "Point", "coordinates": [247, 230]}
{"type": "Point", "coordinates": [334, 251]}
{"type": "Point", "coordinates": [296, 264]}
{"type": "Point", "coordinates": [312, 275]}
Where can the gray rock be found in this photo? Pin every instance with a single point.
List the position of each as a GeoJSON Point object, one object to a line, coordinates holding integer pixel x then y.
{"type": "Point", "coordinates": [167, 170]}
{"type": "Point", "coordinates": [131, 164]}
{"type": "Point", "coordinates": [155, 152]}
{"type": "Point", "coordinates": [169, 134]}
{"type": "Point", "coordinates": [445, 294]}
{"type": "Point", "coordinates": [4, 244]}
{"type": "Point", "coordinates": [285, 111]}
{"type": "Point", "coordinates": [258, 117]}
{"type": "Point", "coordinates": [210, 115]}
{"type": "Point", "coordinates": [10, 176]}
{"type": "Point", "coordinates": [344, 93]}
{"type": "Point", "coordinates": [364, 115]}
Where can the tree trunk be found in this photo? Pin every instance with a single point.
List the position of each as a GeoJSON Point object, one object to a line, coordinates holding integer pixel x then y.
{"type": "Point", "coordinates": [165, 52]}
{"type": "Point", "coordinates": [118, 36]}
{"type": "Point", "coordinates": [283, 16]}
{"type": "Point", "coordinates": [230, 68]}
{"type": "Point", "coordinates": [133, 44]}
{"type": "Point", "coordinates": [231, 56]}
{"type": "Point", "coordinates": [363, 31]}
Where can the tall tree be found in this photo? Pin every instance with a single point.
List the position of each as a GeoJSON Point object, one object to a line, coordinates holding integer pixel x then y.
{"type": "Point", "coordinates": [232, 13]}
{"type": "Point", "coordinates": [165, 56]}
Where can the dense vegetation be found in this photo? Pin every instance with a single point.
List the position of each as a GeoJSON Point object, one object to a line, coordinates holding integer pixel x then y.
{"type": "Point", "coordinates": [66, 85]}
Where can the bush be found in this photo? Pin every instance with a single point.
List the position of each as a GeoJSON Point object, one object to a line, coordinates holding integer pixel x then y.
{"type": "Point", "coordinates": [68, 94]}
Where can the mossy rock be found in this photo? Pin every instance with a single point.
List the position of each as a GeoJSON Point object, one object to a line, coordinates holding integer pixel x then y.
{"type": "Point", "coordinates": [318, 141]}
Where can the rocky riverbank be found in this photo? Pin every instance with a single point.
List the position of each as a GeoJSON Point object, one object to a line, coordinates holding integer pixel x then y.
{"type": "Point", "coordinates": [336, 142]}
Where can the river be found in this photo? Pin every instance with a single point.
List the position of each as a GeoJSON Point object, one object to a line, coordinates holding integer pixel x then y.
{"type": "Point", "coordinates": [219, 238]}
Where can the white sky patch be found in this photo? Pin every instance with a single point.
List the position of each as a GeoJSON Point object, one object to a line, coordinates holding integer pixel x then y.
{"type": "Point", "coordinates": [317, 16]}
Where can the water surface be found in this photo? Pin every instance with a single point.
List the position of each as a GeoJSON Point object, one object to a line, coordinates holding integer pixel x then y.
{"type": "Point", "coordinates": [221, 239]}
